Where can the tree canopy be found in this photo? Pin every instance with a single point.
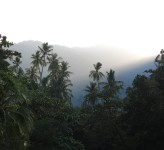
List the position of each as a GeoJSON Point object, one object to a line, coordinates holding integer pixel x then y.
{"type": "Point", "coordinates": [36, 111]}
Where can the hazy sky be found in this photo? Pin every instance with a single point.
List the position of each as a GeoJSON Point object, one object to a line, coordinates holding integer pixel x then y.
{"type": "Point", "coordinates": [134, 25]}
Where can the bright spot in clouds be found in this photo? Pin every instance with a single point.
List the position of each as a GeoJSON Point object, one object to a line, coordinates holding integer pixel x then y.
{"type": "Point", "coordinates": [136, 26]}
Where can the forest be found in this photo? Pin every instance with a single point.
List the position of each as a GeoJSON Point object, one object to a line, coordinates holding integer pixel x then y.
{"type": "Point", "coordinates": [36, 112]}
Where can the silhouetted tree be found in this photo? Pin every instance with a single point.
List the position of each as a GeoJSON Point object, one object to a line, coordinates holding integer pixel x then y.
{"type": "Point", "coordinates": [96, 74]}
{"type": "Point", "coordinates": [111, 88]}
{"type": "Point", "coordinates": [44, 53]}
{"type": "Point", "coordinates": [92, 94]}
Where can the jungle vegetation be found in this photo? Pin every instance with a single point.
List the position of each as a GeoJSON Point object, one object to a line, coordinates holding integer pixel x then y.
{"type": "Point", "coordinates": [36, 112]}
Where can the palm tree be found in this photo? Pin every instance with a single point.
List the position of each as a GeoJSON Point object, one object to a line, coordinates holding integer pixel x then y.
{"type": "Point", "coordinates": [60, 89]}
{"type": "Point", "coordinates": [92, 94]}
{"type": "Point", "coordinates": [111, 78]}
{"type": "Point", "coordinates": [54, 66]}
{"type": "Point", "coordinates": [59, 78]}
{"type": "Point", "coordinates": [36, 63]}
{"type": "Point", "coordinates": [32, 73]}
{"type": "Point", "coordinates": [96, 74]}
{"type": "Point", "coordinates": [64, 75]}
{"type": "Point", "coordinates": [159, 60]}
{"type": "Point", "coordinates": [45, 52]}
{"type": "Point", "coordinates": [111, 87]}
{"type": "Point", "coordinates": [16, 63]}
{"type": "Point", "coordinates": [36, 59]}
{"type": "Point", "coordinates": [16, 119]}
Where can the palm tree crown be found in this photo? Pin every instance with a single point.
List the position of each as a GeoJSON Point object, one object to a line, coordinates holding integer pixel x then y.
{"type": "Point", "coordinates": [111, 87]}
{"type": "Point", "coordinates": [36, 59]}
{"type": "Point", "coordinates": [96, 74]}
{"type": "Point", "coordinates": [92, 94]}
{"type": "Point", "coordinates": [45, 51]}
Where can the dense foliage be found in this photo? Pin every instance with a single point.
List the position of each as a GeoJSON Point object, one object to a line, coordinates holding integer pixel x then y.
{"type": "Point", "coordinates": [36, 112]}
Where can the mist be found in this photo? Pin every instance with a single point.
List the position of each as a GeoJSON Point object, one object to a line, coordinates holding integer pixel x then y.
{"type": "Point", "coordinates": [81, 60]}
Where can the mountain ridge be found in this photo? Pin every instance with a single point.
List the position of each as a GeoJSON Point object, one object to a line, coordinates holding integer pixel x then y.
{"type": "Point", "coordinates": [81, 60]}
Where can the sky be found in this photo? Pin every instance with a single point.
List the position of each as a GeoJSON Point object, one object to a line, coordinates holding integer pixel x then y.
{"type": "Point", "coordinates": [132, 25]}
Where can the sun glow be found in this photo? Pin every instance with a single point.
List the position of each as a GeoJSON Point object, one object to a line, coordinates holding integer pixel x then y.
{"type": "Point", "coordinates": [131, 25]}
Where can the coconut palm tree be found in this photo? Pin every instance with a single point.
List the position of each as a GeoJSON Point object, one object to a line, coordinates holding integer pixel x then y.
{"type": "Point", "coordinates": [159, 60]}
{"type": "Point", "coordinates": [44, 52]}
{"type": "Point", "coordinates": [16, 65]}
{"type": "Point", "coordinates": [92, 94]}
{"type": "Point", "coordinates": [64, 75]}
{"type": "Point", "coordinates": [54, 65]}
{"type": "Point", "coordinates": [36, 64]}
{"type": "Point", "coordinates": [96, 74]}
{"type": "Point", "coordinates": [32, 73]}
{"type": "Point", "coordinates": [36, 59]}
{"type": "Point", "coordinates": [60, 89]}
{"type": "Point", "coordinates": [111, 87]}
{"type": "Point", "coordinates": [16, 120]}
{"type": "Point", "coordinates": [59, 84]}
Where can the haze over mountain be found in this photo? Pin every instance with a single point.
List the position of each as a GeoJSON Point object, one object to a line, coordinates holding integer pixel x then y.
{"type": "Point", "coordinates": [126, 64]}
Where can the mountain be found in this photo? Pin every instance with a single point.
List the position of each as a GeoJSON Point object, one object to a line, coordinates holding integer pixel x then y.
{"type": "Point", "coordinates": [81, 60]}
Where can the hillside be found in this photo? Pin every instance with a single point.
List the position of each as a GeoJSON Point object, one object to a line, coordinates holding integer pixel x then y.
{"type": "Point", "coordinates": [127, 65]}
